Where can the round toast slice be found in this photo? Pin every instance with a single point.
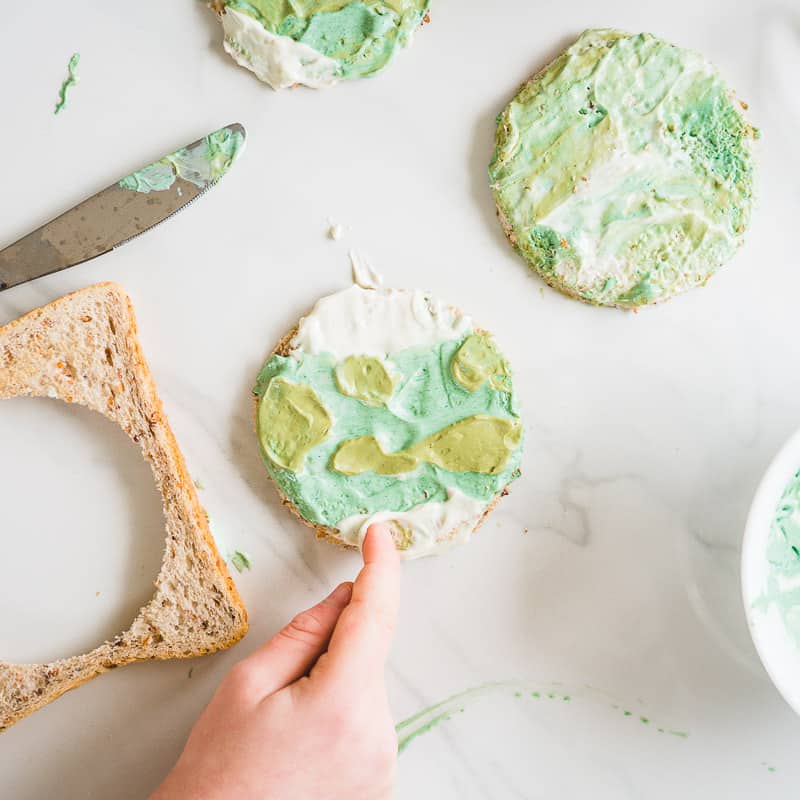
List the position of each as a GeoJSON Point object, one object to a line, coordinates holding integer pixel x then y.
{"type": "Point", "coordinates": [445, 537]}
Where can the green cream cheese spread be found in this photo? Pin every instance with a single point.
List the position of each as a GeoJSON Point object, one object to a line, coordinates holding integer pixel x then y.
{"type": "Point", "coordinates": [623, 172]}
{"type": "Point", "coordinates": [361, 37]}
{"type": "Point", "coordinates": [364, 435]}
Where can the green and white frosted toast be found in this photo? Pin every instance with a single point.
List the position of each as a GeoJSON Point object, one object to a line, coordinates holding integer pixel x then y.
{"type": "Point", "coordinates": [623, 171]}
{"type": "Point", "coordinates": [384, 405]}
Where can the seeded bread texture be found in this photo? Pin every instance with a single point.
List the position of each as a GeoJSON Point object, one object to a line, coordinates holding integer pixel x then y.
{"type": "Point", "coordinates": [84, 349]}
{"type": "Point", "coordinates": [329, 534]}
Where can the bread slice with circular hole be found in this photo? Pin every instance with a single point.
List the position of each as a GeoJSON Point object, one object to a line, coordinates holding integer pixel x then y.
{"type": "Point", "coordinates": [84, 349]}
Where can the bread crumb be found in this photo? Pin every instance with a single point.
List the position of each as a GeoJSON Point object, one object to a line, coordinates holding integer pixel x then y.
{"type": "Point", "coordinates": [198, 483]}
{"type": "Point", "coordinates": [335, 231]}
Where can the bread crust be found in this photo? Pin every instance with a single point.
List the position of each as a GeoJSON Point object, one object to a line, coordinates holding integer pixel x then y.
{"type": "Point", "coordinates": [83, 348]}
{"type": "Point", "coordinates": [326, 532]}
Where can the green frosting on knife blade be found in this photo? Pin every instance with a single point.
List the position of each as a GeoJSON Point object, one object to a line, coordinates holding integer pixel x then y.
{"type": "Point", "coordinates": [201, 164]}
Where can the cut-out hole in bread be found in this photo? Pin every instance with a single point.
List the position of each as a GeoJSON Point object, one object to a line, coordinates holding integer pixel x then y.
{"type": "Point", "coordinates": [82, 530]}
{"type": "Point", "coordinates": [83, 349]}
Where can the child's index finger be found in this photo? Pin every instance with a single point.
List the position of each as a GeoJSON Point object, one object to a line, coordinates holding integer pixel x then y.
{"type": "Point", "coordinates": [363, 636]}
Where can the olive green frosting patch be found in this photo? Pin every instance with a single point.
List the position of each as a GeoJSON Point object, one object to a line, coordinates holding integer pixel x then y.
{"type": "Point", "coordinates": [426, 402]}
{"type": "Point", "coordinates": [623, 171]}
{"type": "Point", "coordinates": [365, 453]}
{"type": "Point", "coordinates": [481, 444]}
{"type": "Point", "coordinates": [363, 36]}
{"type": "Point", "coordinates": [478, 361]}
{"type": "Point", "coordinates": [291, 422]}
{"type": "Point", "coordinates": [476, 444]}
{"type": "Point", "coordinates": [365, 378]}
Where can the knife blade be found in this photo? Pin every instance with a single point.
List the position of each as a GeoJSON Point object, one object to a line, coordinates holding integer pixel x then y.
{"type": "Point", "coordinates": [123, 211]}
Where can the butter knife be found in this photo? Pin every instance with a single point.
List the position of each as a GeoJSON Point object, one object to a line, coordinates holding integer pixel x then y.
{"type": "Point", "coordinates": [127, 208]}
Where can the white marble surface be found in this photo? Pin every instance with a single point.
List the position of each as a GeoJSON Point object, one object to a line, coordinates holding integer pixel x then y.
{"type": "Point", "coordinates": [613, 563]}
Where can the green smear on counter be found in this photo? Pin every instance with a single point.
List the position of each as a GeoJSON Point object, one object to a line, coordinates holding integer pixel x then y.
{"type": "Point", "coordinates": [203, 164]}
{"type": "Point", "coordinates": [240, 560]}
{"type": "Point", "coordinates": [431, 717]}
{"type": "Point", "coordinates": [71, 80]}
{"type": "Point", "coordinates": [424, 725]}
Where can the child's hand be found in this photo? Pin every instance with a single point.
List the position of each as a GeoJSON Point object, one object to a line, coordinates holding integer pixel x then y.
{"type": "Point", "coordinates": [305, 717]}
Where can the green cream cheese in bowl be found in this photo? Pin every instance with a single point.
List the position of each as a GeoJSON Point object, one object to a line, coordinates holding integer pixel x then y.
{"type": "Point", "coordinates": [771, 571]}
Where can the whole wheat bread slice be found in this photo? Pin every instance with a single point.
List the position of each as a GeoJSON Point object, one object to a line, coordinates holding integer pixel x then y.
{"type": "Point", "coordinates": [83, 349]}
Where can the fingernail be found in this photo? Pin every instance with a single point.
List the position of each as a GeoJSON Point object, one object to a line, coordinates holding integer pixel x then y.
{"type": "Point", "coordinates": [340, 596]}
{"type": "Point", "coordinates": [379, 529]}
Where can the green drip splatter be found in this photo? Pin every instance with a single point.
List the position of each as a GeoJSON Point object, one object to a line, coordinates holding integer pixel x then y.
{"type": "Point", "coordinates": [404, 740]}
{"type": "Point", "coordinates": [431, 717]}
{"type": "Point", "coordinates": [71, 80]}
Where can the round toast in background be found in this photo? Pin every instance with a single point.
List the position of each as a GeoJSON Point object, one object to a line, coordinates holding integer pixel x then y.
{"type": "Point", "coordinates": [317, 43]}
{"type": "Point", "coordinates": [385, 405]}
{"type": "Point", "coordinates": [623, 172]}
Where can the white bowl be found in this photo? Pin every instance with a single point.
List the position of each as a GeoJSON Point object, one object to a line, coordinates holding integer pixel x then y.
{"type": "Point", "coordinates": [779, 653]}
